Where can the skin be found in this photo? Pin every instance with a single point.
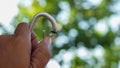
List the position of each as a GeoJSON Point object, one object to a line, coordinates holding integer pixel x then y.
{"type": "Point", "coordinates": [22, 49]}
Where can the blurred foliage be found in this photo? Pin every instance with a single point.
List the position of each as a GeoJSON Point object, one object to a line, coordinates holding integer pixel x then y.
{"type": "Point", "coordinates": [78, 63]}
{"type": "Point", "coordinates": [78, 10]}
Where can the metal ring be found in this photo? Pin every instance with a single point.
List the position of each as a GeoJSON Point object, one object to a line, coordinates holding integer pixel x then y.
{"type": "Point", "coordinates": [50, 18]}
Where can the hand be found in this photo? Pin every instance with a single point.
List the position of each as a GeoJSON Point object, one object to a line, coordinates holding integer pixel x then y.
{"type": "Point", "coordinates": [22, 49]}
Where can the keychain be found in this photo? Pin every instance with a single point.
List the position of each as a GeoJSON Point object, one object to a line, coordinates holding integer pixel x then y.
{"type": "Point", "coordinates": [50, 18]}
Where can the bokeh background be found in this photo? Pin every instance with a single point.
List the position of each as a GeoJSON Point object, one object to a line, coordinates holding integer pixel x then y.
{"type": "Point", "coordinates": [89, 30]}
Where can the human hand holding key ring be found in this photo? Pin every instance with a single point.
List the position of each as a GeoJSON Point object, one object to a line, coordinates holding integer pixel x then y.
{"type": "Point", "coordinates": [50, 18]}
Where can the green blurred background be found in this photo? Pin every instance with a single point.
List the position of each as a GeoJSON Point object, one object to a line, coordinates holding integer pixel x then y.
{"type": "Point", "coordinates": [89, 31]}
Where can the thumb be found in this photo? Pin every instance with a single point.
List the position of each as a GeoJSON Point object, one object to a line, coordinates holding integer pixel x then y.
{"type": "Point", "coordinates": [41, 54]}
{"type": "Point", "coordinates": [23, 30]}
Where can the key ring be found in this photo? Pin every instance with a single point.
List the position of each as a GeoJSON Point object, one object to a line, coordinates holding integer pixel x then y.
{"type": "Point", "coordinates": [50, 18]}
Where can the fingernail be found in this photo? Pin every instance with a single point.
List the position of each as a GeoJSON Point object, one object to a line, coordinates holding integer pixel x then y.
{"type": "Point", "coordinates": [47, 40]}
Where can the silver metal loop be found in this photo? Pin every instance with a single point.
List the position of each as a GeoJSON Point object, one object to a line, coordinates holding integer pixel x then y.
{"type": "Point", "coordinates": [49, 17]}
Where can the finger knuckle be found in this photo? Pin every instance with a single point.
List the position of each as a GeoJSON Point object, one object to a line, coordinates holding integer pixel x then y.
{"type": "Point", "coordinates": [19, 38]}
